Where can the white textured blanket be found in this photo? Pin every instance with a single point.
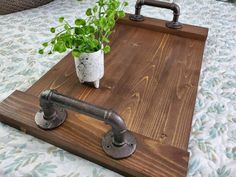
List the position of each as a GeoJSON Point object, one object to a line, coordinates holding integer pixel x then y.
{"type": "Point", "coordinates": [213, 139]}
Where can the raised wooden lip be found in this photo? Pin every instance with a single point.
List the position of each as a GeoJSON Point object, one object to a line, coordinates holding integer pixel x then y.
{"type": "Point", "coordinates": [164, 160]}
{"type": "Point", "coordinates": [188, 31]}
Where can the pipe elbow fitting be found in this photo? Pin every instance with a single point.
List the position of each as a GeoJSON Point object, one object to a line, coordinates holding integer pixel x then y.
{"type": "Point", "coordinates": [139, 3]}
{"type": "Point", "coordinates": [176, 9]}
{"type": "Point", "coordinates": [45, 97]}
{"type": "Point", "coordinates": [113, 119]}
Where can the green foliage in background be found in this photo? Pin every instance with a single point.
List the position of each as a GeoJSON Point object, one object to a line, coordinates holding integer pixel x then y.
{"type": "Point", "coordinates": [87, 35]}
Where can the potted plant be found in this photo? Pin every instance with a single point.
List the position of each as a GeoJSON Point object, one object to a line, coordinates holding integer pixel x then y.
{"type": "Point", "coordinates": [87, 38]}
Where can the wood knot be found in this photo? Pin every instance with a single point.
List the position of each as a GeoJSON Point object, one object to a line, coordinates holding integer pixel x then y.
{"type": "Point", "coordinates": [135, 44]}
{"type": "Point", "coordinates": [109, 87]}
{"type": "Point", "coordinates": [163, 136]}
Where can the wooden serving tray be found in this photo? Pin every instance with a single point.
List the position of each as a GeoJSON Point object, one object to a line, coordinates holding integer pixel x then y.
{"type": "Point", "coordinates": [151, 79]}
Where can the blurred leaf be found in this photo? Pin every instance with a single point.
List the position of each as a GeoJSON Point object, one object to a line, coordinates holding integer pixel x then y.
{"type": "Point", "coordinates": [61, 19]}
{"type": "Point", "coordinates": [76, 53]}
{"type": "Point", "coordinates": [45, 44]}
{"type": "Point", "coordinates": [59, 47]}
{"type": "Point", "coordinates": [66, 27]}
{"type": "Point", "coordinates": [106, 49]}
{"type": "Point", "coordinates": [80, 22]}
{"type": "Point", "coordinates": [53, 30]}
{"type": "Point", "coordinates": [41, 51]}
{"type": "Point", "coordinates": [89, 12]}
{"type": "Point", "coordinates": [121, 14]}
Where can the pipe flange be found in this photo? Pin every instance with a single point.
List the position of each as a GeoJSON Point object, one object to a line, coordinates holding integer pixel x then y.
{"type": "Point", "coordinates": [119, 152]}
{"type": "Point", "coordinates": [137, 18]}
{"type": "Point", "coordinates": [57, 119]}
{"type": "Point", "coordinates": [174, 25]}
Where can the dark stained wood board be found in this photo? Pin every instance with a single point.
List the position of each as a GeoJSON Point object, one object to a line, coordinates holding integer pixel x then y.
{"type": "Point", "coordinates": [151, 78]}
{"type": "Point", "coordinates": [80, 137]}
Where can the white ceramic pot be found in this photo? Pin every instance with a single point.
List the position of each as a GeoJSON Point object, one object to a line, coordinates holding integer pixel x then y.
{"type": "Point", "coordinates": [90, 67]}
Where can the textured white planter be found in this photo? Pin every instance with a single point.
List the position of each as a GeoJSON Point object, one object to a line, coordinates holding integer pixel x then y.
{"type": "Point", "coordinates": [90, 67]}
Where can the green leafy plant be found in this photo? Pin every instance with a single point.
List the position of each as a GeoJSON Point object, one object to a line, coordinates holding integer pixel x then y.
{"type": "Point", "coordinates": [86, 35]}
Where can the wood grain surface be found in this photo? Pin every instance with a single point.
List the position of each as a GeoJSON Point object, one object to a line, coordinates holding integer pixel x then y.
{"type": "Point", "coordinates": [151, 78]}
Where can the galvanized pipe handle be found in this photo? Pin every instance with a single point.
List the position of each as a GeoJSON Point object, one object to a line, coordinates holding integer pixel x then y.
{"type": "Point", "coordinates": [118, 143]}
{"type": "Point", "coordinates": [175, 24]}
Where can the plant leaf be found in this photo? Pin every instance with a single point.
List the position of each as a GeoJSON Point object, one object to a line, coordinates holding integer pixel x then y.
{"type": "Point", "coordinates": [61, 19]}
{"type": "Point", "coordinates": [103, 21]}
{"type": "Point", "coordinates": [126, 3]}
{"type": "Point", "coordinates": [41, 51]}
{"type": "Point", "coordinates": [76, 53]}
{"type": "Point", "coordinates": [95, 9]}
{"type": "Point", "coordinates": [89, 12]}
{"type": "Point", "coordinates": [80, 22]}
{"type": "Point", "coordinates": [106, 49]}
{"type": "Point", "coordinates": [53, 30]}
{"type": "Point", "coordinates": [104, 39]}
{"type": "Point", "coordinates": [66, 27]}
{"type": "Point", "coordinates": [59, 47]}
{"type": "Point", "coordinates": [79, 31]}
{"type": "Point", "coordinates": [89, 29]}
{"type": "Point", "coordinates": [121, 14]}
{"type": "Point", "coordinates": [45, 44]}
